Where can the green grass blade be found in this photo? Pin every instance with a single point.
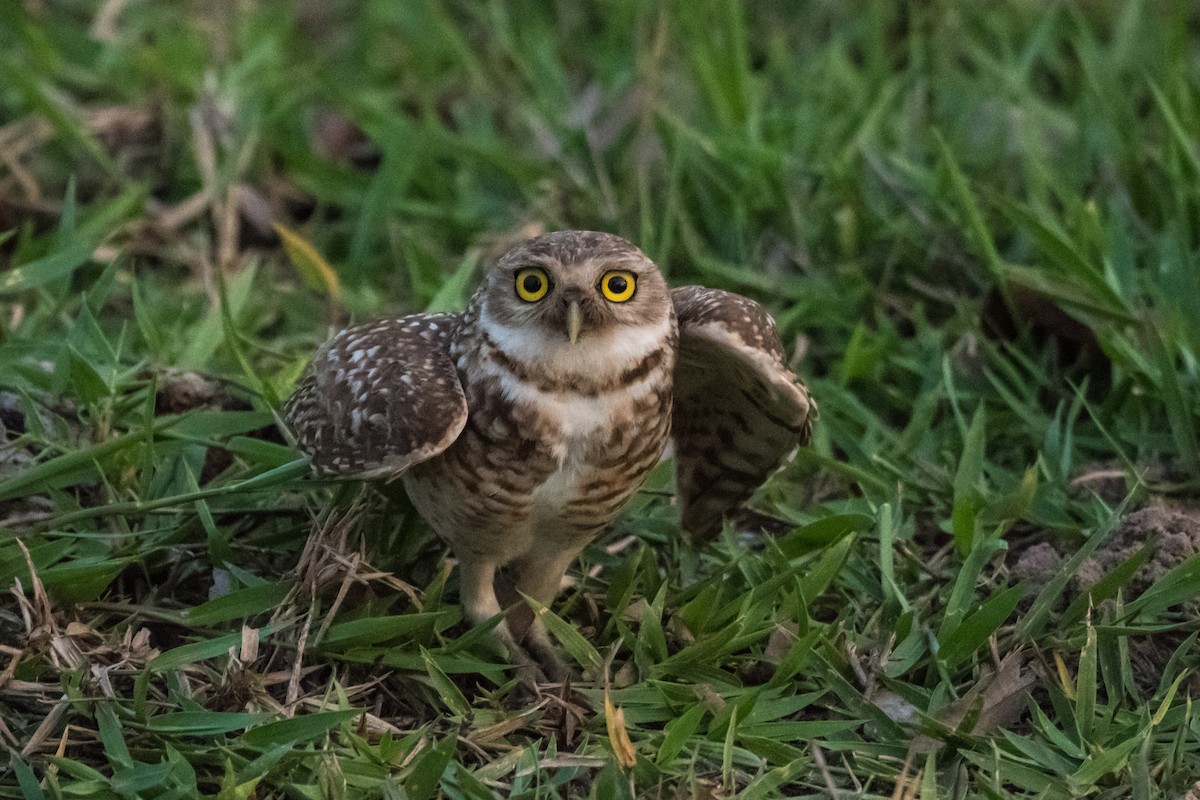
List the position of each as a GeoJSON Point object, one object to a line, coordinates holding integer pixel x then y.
{"type": "Point", "coordinates": [297, 729]}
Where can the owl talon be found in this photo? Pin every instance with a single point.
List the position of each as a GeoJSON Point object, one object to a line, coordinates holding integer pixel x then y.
{"type": "Point", "coordinates": [547, 656]}
{"type": "Point", "coordinates": [530, 675]}
{"type": "Point", "coordinates": [537, 662]}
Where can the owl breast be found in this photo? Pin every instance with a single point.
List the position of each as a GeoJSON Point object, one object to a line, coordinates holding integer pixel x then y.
{"type": "Point", "coordinates": [552, 450]}
{"type": "Point", "coordinates": [605, 447]}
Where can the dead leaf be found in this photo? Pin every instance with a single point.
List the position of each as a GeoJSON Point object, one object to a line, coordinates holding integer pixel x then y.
{"type": "Point", "coordinates": [618, 735]}
{"type": "Point", "coordinates": [311, 265]}
{"type": "Point", "coordinates": [494, 735]}
{"type": "Point", "coordinates": [895, 707]}
{"type": "Point", "coordinates": [635, 610]}
{"type": "Point", "coordinates": [1064, 676]}
{"type": "Point", "coordinates": [249, 649]}
{"type": "Point", "coordinates": [712, 701]}
{"type": "Point", "coordinates": [700, 789]}
{"type": "Point", "coordinates": [181, 391]}
{"type": "Point", "coordinates": [79, 629]}
{"type": "Point", "coordinates": [625, 676]}
{"type": "Point", "coordinates": [782, 638]}
{"type": "Point", "coordinates": [997, 699]}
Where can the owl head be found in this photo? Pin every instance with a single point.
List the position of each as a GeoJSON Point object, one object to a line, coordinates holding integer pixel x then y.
{"type": "Point", "coordinates": [576, 287]}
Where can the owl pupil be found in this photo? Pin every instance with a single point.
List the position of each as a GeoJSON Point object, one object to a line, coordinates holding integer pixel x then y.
{"type": "Point", "coordinates": [532, 283]}
{"type": "Point", "coordinates": [617, 284]}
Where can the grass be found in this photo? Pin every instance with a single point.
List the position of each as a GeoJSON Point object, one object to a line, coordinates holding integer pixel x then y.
{"type": "Point", "coordinates": [974, 229]}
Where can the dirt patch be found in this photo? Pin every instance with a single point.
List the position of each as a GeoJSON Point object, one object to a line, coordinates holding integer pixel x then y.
{"type": "Point", "coordinates": [1177, 530]}
{"type": "Point", "coordinates": [1174, 531]}
{"type": "Point", "coordinates": [1037, 565]}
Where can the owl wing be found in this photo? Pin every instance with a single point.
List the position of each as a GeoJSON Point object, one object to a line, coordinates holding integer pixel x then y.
{"type": "Point", "coordinates": [738, 410]}
{"type": "Point", "coordinates": [380, 397]}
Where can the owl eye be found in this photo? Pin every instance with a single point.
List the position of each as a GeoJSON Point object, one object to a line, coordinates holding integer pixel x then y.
{"type": "Point", "coordinates": [618, 285]}
{"type": "Point", "coordinates": [532, 284]}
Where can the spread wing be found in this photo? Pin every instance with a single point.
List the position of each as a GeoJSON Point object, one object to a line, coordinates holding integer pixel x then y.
{"type": "Point", "coordinates": [739, 412]}
{"type": "Point", "coordinates": [380, 397]}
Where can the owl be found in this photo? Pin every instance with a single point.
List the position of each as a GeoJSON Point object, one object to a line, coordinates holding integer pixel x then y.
{"type": "Point", "coordinates": [521, 426]}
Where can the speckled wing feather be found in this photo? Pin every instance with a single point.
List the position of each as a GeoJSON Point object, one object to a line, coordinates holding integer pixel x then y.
{"type": "Point", "coordinates": [739, 412]}
{"type": "Point", "coordinates": [380, 397]}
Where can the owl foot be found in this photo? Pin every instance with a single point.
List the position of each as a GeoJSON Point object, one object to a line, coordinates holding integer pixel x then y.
{"type": "Point", "coordinates": [547, 655]}
{"type": "Point", "coordinates": [530, 675]}
{"type": "Point", "coordinates": [537, 661]}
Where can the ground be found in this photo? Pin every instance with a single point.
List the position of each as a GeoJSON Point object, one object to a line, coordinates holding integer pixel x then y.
{"type": "Point", "coordinates": [976, 232]}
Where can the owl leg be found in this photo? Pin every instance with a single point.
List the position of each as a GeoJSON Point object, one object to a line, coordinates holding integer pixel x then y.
{"type": "Point", "coordinates": [477, 593]}
{"type": "Point", "coordinates": [540, 577]}
{"type": "Point", "coordinates": [475, 587]}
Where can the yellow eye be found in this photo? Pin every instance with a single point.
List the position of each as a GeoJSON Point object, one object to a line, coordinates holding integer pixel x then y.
{"type": "Point", "coordinates": [532, 284]}
{"type": "Point", "coordinates": [618, 285]}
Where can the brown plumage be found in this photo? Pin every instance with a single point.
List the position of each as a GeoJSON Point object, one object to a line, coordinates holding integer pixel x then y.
{"type": "Point", "coordinates": [522, 426]}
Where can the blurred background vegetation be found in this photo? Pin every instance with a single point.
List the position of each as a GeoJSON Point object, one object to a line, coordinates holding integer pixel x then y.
{"type": "Point", "coordinates": [974, 223]}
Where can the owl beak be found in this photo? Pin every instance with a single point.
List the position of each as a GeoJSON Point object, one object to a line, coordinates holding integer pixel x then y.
{"type": "Point", "coordinates": [574, 321]}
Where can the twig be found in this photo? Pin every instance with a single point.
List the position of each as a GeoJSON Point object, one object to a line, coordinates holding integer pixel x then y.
{"type": "Point", "coordinates": [293, 690]}
{"type": "Point", "coordinates": [826, 775]}
{"type": "Point", "coordinates": [48, 724]}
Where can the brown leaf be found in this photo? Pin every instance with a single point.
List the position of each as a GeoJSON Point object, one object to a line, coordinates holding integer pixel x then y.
{"type": "Point", "coordinates": [1004, 698]}
{"type": "Point", "coordinates": [700, 789]}
{"type": "Point", "coordinates": [249, 649]}
{"type": "Point", "coordinates": [635, 610]}
{"type": "Point", "coordinates": [181, 391]}
{"type": "Point", "coordinates": [625, 676]}
{"type": "Point", "coordinates": [999, 699]}
{"type": "Point", "coordinates": [79, 629]}
{"type": "Point", "coordinates": [712, 701]}
{"type": "Point", "coordinates": [618, 735]}
{"type": "Point", "coordinates": [494, 735]}
{"type": "Point", "coordinates": [781, 640]}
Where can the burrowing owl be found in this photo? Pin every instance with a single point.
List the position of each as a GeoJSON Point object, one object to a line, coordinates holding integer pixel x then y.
{"type": "Point", "coordinates": [522, 426]}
